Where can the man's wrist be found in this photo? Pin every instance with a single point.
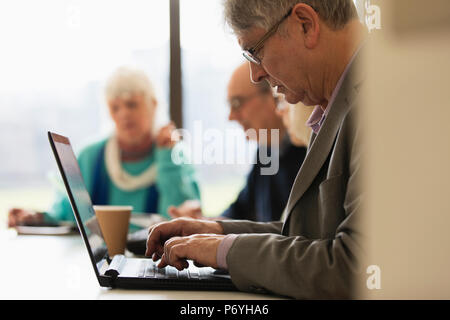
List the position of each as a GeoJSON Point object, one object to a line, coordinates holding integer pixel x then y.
{"type": "Point", "coordinates": [215, 227]}
{"type": "Point", "coordinates": [222, 250]}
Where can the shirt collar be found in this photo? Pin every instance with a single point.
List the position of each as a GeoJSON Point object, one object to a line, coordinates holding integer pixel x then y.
{"type": "Point", "coordinates": [318, 115]}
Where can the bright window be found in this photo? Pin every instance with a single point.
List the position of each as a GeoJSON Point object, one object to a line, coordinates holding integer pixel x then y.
{"type": "Point", "coordinates": [55, 58]}
{"type": "Point", "coordinates": [209, 54]}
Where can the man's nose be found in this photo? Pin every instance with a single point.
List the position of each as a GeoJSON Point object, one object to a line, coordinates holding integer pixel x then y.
{"type": "Point", "coordinates": [257, 73]}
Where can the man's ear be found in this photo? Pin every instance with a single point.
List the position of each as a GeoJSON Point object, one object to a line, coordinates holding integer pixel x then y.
{"type": "Point", "coordinates": [308, 20]}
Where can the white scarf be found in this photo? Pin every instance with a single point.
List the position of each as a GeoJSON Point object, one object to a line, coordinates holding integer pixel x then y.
{"type": "Point", "coordinates": [117, 174]}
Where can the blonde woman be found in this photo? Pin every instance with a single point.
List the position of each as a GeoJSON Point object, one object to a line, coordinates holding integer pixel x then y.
{"type": "Point", "coordinates": [132, 166]}
{"type": "Point", "coordinates": [294, 119]}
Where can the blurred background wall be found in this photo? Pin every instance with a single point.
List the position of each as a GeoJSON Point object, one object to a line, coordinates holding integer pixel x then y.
{"type": "Point", "coordinates": [407, 114]}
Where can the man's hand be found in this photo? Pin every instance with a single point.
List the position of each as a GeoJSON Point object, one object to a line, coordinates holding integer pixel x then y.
{"type": "Point", "coordinates": [201, 248]}
{"type": "Point", "coordinates": [183, 227]}
{"type": "Point", "coordinates": [189, 209]}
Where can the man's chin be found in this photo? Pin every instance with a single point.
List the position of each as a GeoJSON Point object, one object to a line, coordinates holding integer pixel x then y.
{"type": "Point", "coordinates": [293, 99]}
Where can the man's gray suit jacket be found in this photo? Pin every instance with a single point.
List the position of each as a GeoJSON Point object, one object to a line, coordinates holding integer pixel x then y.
{"type": "Point", "coordinates": [314, 252]}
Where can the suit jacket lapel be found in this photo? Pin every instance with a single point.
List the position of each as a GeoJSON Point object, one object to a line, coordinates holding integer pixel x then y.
{"type": "Point", "coordinates": [322, 143]}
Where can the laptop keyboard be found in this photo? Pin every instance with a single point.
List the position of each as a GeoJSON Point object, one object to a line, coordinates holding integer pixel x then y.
{"type": "Point", "coordinates": [148, 269]}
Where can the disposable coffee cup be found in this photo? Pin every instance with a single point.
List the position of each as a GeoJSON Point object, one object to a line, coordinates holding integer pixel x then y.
{"type": "Point", "coordinates": [114, 222]}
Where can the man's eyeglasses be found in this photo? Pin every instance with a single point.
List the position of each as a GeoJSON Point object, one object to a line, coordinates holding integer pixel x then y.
{"type": "Point", "coordinates": [250, 54]}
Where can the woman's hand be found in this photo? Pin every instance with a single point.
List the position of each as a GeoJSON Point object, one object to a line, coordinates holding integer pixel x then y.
{"type": "Point", "coordinates": [167, 137]}
{"type": "Point", "coordinates": [18, 216]}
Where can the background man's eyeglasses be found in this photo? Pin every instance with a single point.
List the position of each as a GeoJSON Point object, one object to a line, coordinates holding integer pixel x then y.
{"type": "Point", "coordinates": [237, 102]}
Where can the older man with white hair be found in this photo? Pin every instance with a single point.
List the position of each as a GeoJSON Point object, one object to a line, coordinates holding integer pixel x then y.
{"type": "Point", "coordinates": [309, 50]}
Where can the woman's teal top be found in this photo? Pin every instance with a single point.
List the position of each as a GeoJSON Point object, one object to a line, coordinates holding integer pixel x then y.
{"type": "Point", "coordinates": [174, 183]}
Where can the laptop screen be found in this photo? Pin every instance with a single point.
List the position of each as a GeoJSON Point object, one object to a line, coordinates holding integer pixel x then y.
{"type": "Point", "coordinates": [79, 199]}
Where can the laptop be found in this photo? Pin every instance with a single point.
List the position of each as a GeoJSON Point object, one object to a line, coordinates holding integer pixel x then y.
{"type": "Point", "coordinates": [124, 271]}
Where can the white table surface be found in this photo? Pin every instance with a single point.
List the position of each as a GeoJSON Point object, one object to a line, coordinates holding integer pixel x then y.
{"type": "Point", "coordinates": [58, 267]}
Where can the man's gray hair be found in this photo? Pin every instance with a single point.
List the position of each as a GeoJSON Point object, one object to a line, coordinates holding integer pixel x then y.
{"type": "Point", "coordinates": [241, 15]}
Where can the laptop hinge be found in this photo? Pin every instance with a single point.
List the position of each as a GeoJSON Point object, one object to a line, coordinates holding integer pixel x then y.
{"type": "Point", "coordinates": [116, 266]}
